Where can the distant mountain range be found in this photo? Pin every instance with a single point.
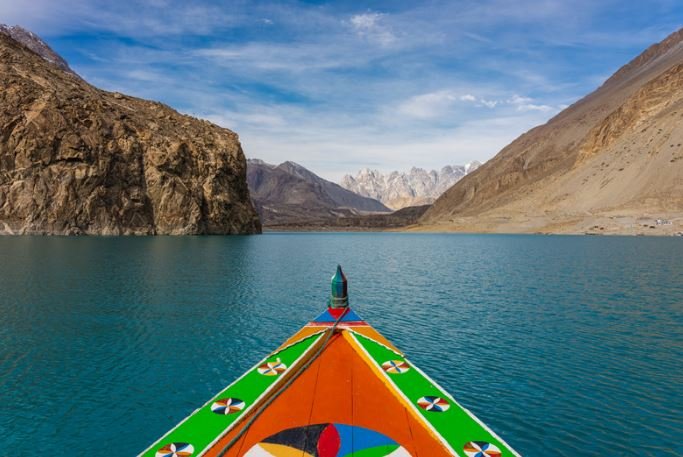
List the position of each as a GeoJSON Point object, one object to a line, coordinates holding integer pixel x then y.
{"type": "Point", "coordinates": [399, 190]}
{"type": "Point", "coordinates": [78, 160]}
{"type": "Point", "coordinates": [289, 193]}
{"type": "Point", "coordinates": [610, 163]}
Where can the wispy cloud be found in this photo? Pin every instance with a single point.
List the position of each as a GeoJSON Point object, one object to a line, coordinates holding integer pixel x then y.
{"type": "Point", "coordinates": [138, 18]}
{"type": "Point", "coordinates": [427, 106]}
{"type": "Point", "coordinates": [445, 102]}
{"type": "Point", "coordinates": [371, 27]}
{"type": "Point", "coordinates": [534, 107]}
{"type": "Point", "coordinates": [293, 58]}
{"type": "Point", "coordinates": [338, 87]}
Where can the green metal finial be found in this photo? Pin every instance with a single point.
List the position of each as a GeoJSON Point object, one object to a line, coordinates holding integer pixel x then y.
{"type": "Point", "coordinates": [340, 294]}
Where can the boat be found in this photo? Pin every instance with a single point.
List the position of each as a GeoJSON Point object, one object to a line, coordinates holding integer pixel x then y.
{"type": "Point", "coordinates": [335, 388]}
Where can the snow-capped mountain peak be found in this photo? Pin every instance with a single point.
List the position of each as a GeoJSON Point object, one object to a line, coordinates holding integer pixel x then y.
{"type": "Point", "coordinates": [400, 189]}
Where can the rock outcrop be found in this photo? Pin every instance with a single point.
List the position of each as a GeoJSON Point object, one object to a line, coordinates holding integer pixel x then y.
{"type": "Point", "coordinates": [610, 163]}
{"type": "Point", "coordinates": [291, 194]}
{"type": "Point", "coordinates": [400, 190]}
{"type": "Point", "coordinates": [78, 160]}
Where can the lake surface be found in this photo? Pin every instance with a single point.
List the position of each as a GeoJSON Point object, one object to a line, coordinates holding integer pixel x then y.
{"type": "Point", "coordinates": [565, 346]}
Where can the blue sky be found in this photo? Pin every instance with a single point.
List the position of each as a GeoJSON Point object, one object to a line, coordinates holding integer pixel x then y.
{"type": "Point", "coordinates": [338, 86]}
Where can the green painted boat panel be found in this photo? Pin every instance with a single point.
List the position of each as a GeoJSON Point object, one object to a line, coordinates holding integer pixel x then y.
{"type": "Point", "coordinates": [453, 422]}
{"type": "Point", "coordinates": [213, 419]}
{"type": "Point", "coordinates": [379, 451]}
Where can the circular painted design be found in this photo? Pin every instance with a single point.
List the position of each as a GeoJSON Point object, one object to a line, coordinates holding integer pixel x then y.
{"type": "Point", "coordinates": [175, 450]}
{"type": "Point", "coordinates": [227, 406]}
{"type": "Point", "coordinates": [395, 366]}
{"type": "Point", "coordinates": [327, 440]}
{"type": "Point", "coordinates": [272, 368]}
{"type": "Point", "coordinates": [481, 449]}
{"type": "Point", "coordinates": [435, 404]}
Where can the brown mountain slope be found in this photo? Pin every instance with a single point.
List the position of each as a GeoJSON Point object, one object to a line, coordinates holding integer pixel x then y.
{"type": "Point", "coordinates": [610, 163]}
{"type": "Point", "coordinates": [78, 160]}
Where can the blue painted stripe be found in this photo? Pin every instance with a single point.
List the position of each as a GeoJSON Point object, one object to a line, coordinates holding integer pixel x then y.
{"type": "Point", "coordinates": [350, 316]}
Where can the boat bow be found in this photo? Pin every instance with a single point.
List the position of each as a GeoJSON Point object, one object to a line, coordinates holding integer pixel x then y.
{"type": "Point", "coordinates": [336, 388]}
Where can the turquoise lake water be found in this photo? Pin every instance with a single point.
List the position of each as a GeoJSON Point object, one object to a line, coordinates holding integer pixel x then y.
{"type": "Point", "coordinates": [565, 346]}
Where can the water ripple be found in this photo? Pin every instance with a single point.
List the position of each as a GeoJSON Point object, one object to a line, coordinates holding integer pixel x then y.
{"type": "Point", "coordinates": [565, 345]}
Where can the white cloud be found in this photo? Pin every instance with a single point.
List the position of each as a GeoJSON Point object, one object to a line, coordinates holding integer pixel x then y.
{"type": "Point", "coordinates": [444, 102]}
{"type": "Point", "coordinates": [365, 22]}
{"type": "Point", "coordinates": [260, 120]}
{"type": "Point", "coordinates": [519, 100]}
{"type": "Point", "coordinates": [480, 101]}
{"type": "Point", "coordinates": [144, 75]}
{"type": "Point", "coordinates": [533, 107]}
{"type": "Point", "coordinates": [371, 27]}
{"type": "Point", "coordinates": [135, 18]}
{"type": "Point", "coordinates": [429, 105]}
{"type": "Point", "coordinates": [489, 103]}
{"type": "Point", "coordinates": [319, 146]}
{"type": "Point", "coordinates": [526, 104]}
{"type": "Point", "coordinates": [295, 58]}
{"type": "Point", "coordinates": [424, 85]}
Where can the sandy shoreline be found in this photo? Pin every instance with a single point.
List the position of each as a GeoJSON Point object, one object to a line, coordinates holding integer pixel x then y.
{"type": "Point", "coordinates": [626, 225]}
{"type": "Point", "coordinates": [615, 224]}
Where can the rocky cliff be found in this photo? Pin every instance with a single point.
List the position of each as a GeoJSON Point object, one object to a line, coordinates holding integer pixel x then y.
{"type": "Point", "coordinates": [610, 163]}
{"type": "Point", "coordinates": [78, 160]}
{"type": "Point", "coordinates": [291, 194]}
{"type": "Point", "coordinates": [400, 190]}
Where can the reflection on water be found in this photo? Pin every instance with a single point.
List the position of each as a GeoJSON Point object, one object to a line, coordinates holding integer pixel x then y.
{"type": "Point", "coordinates": [571, 345]}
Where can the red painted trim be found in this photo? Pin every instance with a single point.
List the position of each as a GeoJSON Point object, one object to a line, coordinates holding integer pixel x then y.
{"type": "Point", "coordinates": [336, 313]}
{"type": "Point", "coordinates": [340, 325]}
